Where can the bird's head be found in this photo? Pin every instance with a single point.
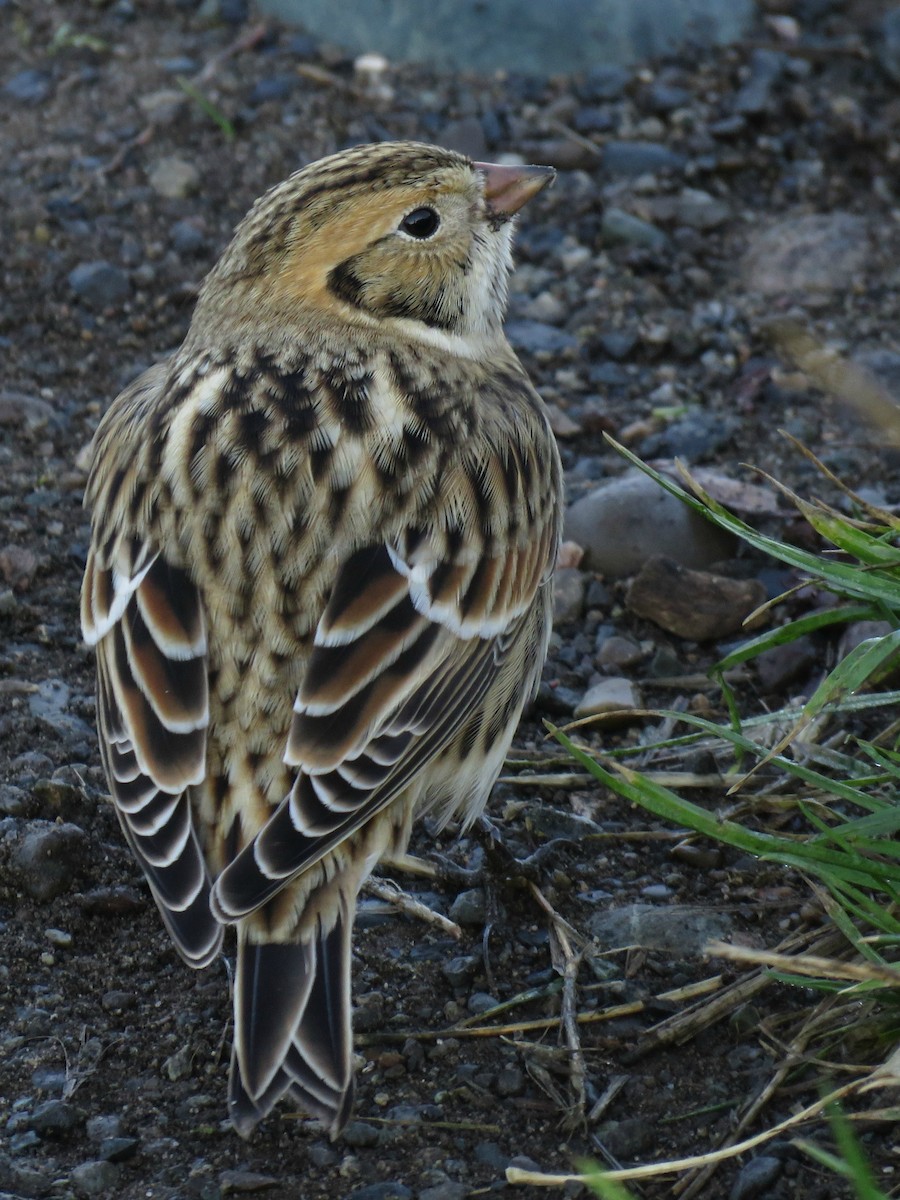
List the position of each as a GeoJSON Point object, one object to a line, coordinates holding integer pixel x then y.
{"type": "Point", "coordinates": [407, 237]}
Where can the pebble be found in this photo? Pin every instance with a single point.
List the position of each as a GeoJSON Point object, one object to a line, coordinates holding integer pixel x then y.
{"type": "Point", "coordinates": [360, 1133]}
{"type": "Point", "coordinates": [569, 585]}
{"type": "Point", "coordinates": [889, 47]}
{"type": "Point", "coordinates": [119, 1149]}
{"type": "Point", "coordinates": [275, 87]}
{"type": "Point", "coordinates": [30, 86]}
{"type": "Point", "coordinates": [389, 1190]}
{"type": "Point", "coordinates": [469, 907]}
{"type": "Point", "coordinates": [188, 239]}
{"type": "Point", "coordinates": [604, 83]}
{"type": "Point", "coordinates": [448, 1190]}
{"type": "Point", "coordinates": [480, 1002]}
{"type": "Point", "coordinates": [626, 521]}
{"type": "Point", "coordinates": [613, 699]}
{"type": "Point", "coordinates": [812, 252]}
{"type": "Point", "coordinates": [618, 227]}
{"type": "Point", "coordinates": [695, 437]}
{"type": "Point", "coordinates": [617, 651]}
{"type": "Point", "coordinates": [99, 284]}
{"type": "Point", "coordinates": [537, 337]}
{"type": "Point", "coordinates": [510, 1082]}
{"type": "Point", "coordinates": [756, 1177]}
{"type": "Point", "coordinates": [782, 666]}
{"type": "Point", "coordinates": [17, 566]}
{"type": "Point", "coordinates": [92, 1178]}
{"type": "Point", "coordinates": [243, 1182]}
{"type": "Point", "coordinates": [627, 1140]}
{"type": "Point", "coordinates": [626, 158]}
{"type": "Point", "coordinates": [676, 928]}
{"type": "Point", "coordinates": [766, 68]}
{"type": "Point", "coordinates": [55, 1118]}
{"type": "Point", "coordinates": [20, 410]}
{"type": "Point", "coordinates": [322, 1155]}
{"type": "Point", "coordinates": [696, 605]}
{"type": "Point", "coordinates": [460, 969]}
{"type": "Point", "coordinates": [48, 858]}
{"type": "Point", "coordinates": [174, 178]}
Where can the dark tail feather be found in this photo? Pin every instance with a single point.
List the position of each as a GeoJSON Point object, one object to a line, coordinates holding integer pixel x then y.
{"type": "Point", "coordinates": [292, 1028]}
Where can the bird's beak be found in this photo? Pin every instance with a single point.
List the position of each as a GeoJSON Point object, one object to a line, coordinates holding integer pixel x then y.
{"type": "Point", "coordinates": [506, 189]}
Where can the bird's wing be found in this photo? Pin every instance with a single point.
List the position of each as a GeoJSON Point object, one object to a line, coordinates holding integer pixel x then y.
{"type": "Point", "coordinates": [413, 636]}
{"type": "Point", "coordinates": [144, 617]}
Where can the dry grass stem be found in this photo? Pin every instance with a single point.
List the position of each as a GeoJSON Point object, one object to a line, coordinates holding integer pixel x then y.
{"type": "Point", "coordinates": [391, 894]}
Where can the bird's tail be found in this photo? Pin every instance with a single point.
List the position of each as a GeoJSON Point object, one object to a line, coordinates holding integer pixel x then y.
{"type": "Point", "coordinates": [292, 1032]}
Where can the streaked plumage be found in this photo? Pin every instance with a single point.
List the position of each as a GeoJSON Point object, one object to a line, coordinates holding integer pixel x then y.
{"type": "Point", "coordinates": [318, 583]}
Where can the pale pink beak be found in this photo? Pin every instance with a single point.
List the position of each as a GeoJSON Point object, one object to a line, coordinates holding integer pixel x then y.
{"type": "Point", "coordinates": [506, 189]}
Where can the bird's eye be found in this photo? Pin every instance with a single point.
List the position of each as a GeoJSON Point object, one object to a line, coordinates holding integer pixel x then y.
{"type": "Point", "coordinates": [421, 223]}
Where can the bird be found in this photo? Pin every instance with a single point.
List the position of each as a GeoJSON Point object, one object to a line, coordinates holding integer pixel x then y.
{"type": "Point", "coordinates": [319, 581]}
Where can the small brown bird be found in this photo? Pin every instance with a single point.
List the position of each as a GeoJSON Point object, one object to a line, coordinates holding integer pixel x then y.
{"type": "Point", "coordinates": [319, 580]}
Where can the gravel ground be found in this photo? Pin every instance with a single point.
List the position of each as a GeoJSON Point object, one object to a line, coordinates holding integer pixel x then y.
{"type": "Point", "coordinates": [696, 198]}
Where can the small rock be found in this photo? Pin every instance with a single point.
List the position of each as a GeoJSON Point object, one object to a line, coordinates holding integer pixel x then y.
{"type": "Point", "coordinates": [164, 107]}
{"type": "Point", "coordinates": [616, 651]}
{"type": "Point", "coordinates": [510, 1082]}
{"type": "Point", "coordinates": [445, 1191]}
{"type": "Point", "coordinates": [624, 522]}
{"type": "Point", "coordinates": [889, 48]}
{"type": "Point", "coordinates": [783, 665]}
{"type": "Point", "coordinates": [811, 252]}
{"type": "Point", "coordinates": [272, 88]}
{"type": "Point", "coordinates": [621, 228]}
{"type": "Point", "coordinates": [174, 177]}
{"type": "Point", "coordinates": [322, 1155]}
{"type": "Point", "coordinates": [360, 1133]}
{"type": "Point", "coordinates": [240, 1181]}
{"type": "Point", "coordinates": [756, 1177]}
{"type": "Point", "coordinates": [697, 436]}
{"type": "Point", "coordinates": [639, 158]}
{"type": "Point", "coordinates": [119, 1149]}
{"type": "Point", "coordinates": [568, 595]}
{"type": "Point", "coordinates": [188, 239]}
{"type": "Point", "coordinates": [613, 698]}
{"type": "Point", "coordinates": [480, 1002]}
{"type": "Point", "coordinates": [604, 83]}
{"type": "Point", "coordinates": [561, 423]}
{"type": "Point", "coordinates": [678, 929]}
{"type": "Point", "coordinates": [179, 1065]}
{"type": "Point", "coordinates": [469, 908]}
{"type": "Point", "coordinates": [627, 1139]}
{"type": "Point", "coordinates": [117, 1001]}
{"type": "Point", "coordinates": [766, 68]}
{"type": "Point", "coordinates": [17, 566]}
{"type": "Point", "coordinates": [92, 1178]}
{"type": "Point", "coordinates": [18, 410]}
{"type": "Point", "coordinates": [55, 1118]}
{"type": "Point", "coordinates": [460, 969]}
{"type": "Point", "coordinates": [26, 1181]}
{"type": "Point", "coordinates": [28, 87]}
{"type": "Point", "coordinates": [466, 136]}
{"type": "Point", "coordinates": [536, 337]}
{"type": "Point", "coordinates": [48, 858]}
{"type": "Point", "coordinates": [99, 284]}
{"type": "Point", "coordinates": [696, 605]}
{"type": "Point", "coordinates": [389, 1190]}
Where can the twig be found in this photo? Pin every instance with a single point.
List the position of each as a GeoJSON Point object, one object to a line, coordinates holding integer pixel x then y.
{"type": "Point", "coordinates": [391, 894]}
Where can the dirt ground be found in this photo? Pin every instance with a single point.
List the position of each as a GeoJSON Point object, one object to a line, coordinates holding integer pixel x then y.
{"type": "Point", "coordinates": [135, 136]}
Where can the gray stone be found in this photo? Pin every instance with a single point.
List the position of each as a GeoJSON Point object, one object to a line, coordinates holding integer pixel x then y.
{"type": "Point", "coordinates": [467, 136]}
{"type": "Point", "coordinates": [626, 521]}
{"type": "Point", "coordinates": [360, 1133]}
{"type": "Point", "coordinates": [30, 86]}
{"type": "Point", "coordinates": [460, 969]}
{"type": "Point", "coordinates": [480, 1002]}
{"type": "Point", "coordinates": [605, 83]}
{"type": "Point", "coordinates": [536, 337]}
{"type": "Point", "coordinates": [448, 1190]}
{"type": "Point", "coordinates": [627, 1139]}
{"type": "Point", "coordinates": [92, 1178]}
{"type": "Point", "coordinates": [639, 158]}
{"type": "Point", "coordinates": [48, 858]}
{"type": "Point", "coordinates": [781, 666]}
{"type": "Point", "coordinates": [889, 48]}
{"type": "Point", "coordinates": [613, 699]}
{"type": "Point", "coordinates": [99, 284]}
{"type": "Point", "coordinates": [469, 907]}
{"type": "Point", "coordinates": [528, 36]}
{"type": "Point", "coordinates": [756, 1177]}
{"type": "Point", "coordinates": [766, 68]}
{"type": "Point", "coordinates": [174, 177]}
{"type": "Point", "coordinates": [18, 410]}
{"type": "Point", "coordinates": [813, 252]}
{"type": "Point", "coordinates": [568, 594]}
{"type": "Point", "coordinates": [54, 1118]}
{"type": "Point", "coordinates": [676, 928]}
{"type": "Point", "coordinates": [620, 227]}
{"type": "Point", "coordinates": [697, 436]}
{"type": "Point", "coordinates": [119, 1149]}
{"type": "Point", "coordinates": [510, 1082]}
{"type": "Point", "coordinates": [389, 1190]}
{"type": "Point", "coordinates": [243, 1182]}
{"type": "Point", "coordinates": [696, 605]}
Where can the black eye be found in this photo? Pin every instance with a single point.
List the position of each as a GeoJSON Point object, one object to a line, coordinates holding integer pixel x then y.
{"type": "Point", "coordinates": [421, 223]}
